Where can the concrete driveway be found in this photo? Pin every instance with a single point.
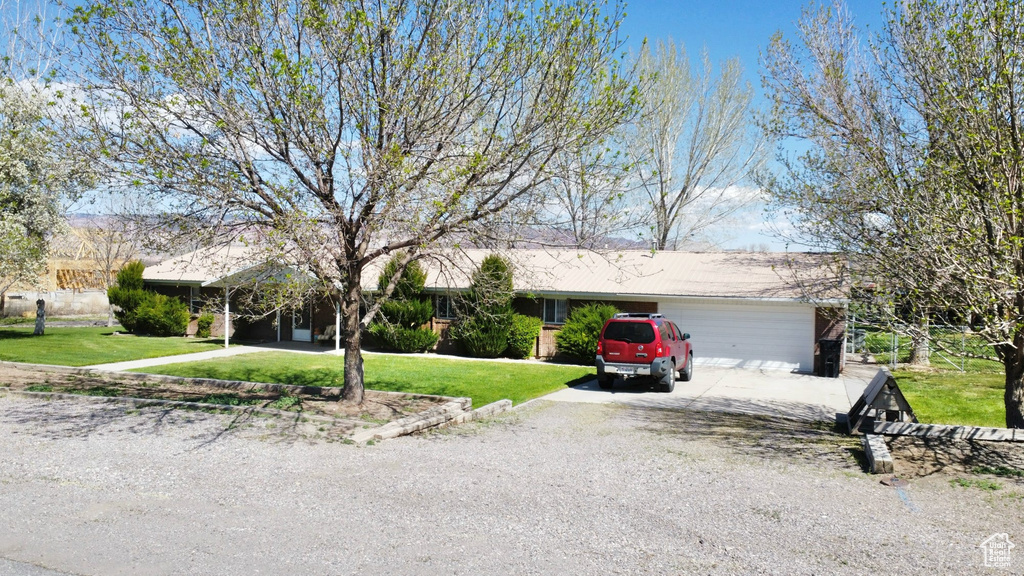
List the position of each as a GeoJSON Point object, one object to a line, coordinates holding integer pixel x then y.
{"type": "Point", "coordinates": [738, 390]}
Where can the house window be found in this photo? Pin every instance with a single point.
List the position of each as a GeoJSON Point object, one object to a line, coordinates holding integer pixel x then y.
{"type": "Point", "coordinates": [195, 303]}
{"type": "Point", "coordinates": [444, 309]}
{"type": "Point", "coordinates": [554, 311]}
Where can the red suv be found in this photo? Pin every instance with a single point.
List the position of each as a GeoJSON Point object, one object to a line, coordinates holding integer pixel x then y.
{"type": "Point", "coordinates": [643, 345]}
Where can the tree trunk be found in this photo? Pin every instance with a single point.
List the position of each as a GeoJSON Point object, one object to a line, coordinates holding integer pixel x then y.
{"type": "Point", "coordinates": [110, 316]}
{"type": "Point", "coordinates": [353, 390]}
{"type": "Point", "coordinates": [1013, 395]}
{"type": "Point", "coordinates": [40, 317]}
{"type": "Point", "coordinates": [919, 349]}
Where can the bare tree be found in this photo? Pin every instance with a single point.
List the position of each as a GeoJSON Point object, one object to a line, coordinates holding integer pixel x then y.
{"type": "Point", "coordinates": [589, 203]}
{"type": "Point", "coordinates": [339, 132]}
{"type": "Point", "coordinates": [914, 156]}
{"type": "Point", "coordinates": [695, 143]}
{"type": "Point", "coordinates": [113, 237]}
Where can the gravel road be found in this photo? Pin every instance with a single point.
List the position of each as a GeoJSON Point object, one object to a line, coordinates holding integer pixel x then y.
{"type": "Point", "coordinates": [553, 488]}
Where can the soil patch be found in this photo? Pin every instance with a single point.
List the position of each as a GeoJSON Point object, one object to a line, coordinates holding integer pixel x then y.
{"type": "Point", "coordinates": [915, 457]}
{"type": "Point", "coordinates": [378, 408]}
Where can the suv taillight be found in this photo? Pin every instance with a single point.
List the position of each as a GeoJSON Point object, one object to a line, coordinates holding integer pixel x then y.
{"type": "Point", "coordinates": [600, 349]}
{"type": "Point", "coordinates": [659, 351]}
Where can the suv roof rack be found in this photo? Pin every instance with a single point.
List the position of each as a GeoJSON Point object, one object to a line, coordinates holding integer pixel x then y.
{"type": "Point", "coordinates": [638, 315]}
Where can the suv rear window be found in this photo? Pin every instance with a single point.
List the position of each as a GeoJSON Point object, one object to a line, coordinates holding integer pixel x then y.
{"type": "Point", "coordinates": [638, 332]}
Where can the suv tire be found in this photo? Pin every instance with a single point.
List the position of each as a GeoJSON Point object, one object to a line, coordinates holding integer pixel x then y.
{"type": "Point", "coordinates": [668, 381]}
{"type": "Point", "coordinates": [605, 382]}
{"type": "Point", "coordinates": [687, 373]}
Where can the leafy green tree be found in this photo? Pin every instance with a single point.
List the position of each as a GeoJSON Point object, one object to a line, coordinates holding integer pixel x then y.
{"type": "Point", "coordinates": [578, 337]}
{"type": "Point", "coordinates": [128, 294]}
{"type": "Point", "coordinates": [914, 150]}
{"type": "Point", "coordinates": [344, 131]}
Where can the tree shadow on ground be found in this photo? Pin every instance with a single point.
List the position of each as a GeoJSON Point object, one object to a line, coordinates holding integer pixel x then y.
{"type": "Point", "coordinates": [262, 374]}
{"type": "Point", "coordinates": [772, 438]}
{"type": "Point", "coordinates": [740, 427]}
{"type": "Point", "coordinates": [58, 419]}
{"type": "Point", "coordinates": [581, 380]}
{"type": "Point", "coordinates": [646, 393]}
{"type": "Point", "coordinates": [16, 334]}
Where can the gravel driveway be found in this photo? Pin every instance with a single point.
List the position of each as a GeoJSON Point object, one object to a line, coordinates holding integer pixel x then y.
{"type": "Point", "coordinates": [553, 488]}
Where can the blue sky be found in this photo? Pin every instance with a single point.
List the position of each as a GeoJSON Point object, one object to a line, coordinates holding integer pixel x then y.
{"type": "Point", "coordinates": [729, 29]}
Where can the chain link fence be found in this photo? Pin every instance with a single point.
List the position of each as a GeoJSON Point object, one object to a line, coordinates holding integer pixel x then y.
{"type": "Point", "coordinates": [946, 348]}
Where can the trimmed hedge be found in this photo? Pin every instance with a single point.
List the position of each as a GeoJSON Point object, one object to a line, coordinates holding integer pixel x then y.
{"type": "Point", "coordinates": [483, 336]}
{"type": "Point", "coordinates": [403, 339]}
{"type": "Point", "coordinates": [398, 325]}
{"type": "Point", "coordinates": [162, 316]}
{"type": "Point", "coordinates": [203, 324]}
{"type": "Point", "coordinates": [410, 284]}
{"type": "Point", "coordinates": [406, 313]}
{"type": "Point", "coordinates": [522, 335]}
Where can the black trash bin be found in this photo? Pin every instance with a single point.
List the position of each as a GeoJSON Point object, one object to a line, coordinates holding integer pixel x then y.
{"type": "Point", "coordinates": [831, 355]}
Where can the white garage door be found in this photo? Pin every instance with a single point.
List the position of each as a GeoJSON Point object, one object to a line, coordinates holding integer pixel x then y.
{"type": "Point", "coordinates": [749, 334]}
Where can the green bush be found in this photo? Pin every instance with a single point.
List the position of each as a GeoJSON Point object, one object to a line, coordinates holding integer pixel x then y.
{"type": "Point", "coordinates": [490, 290]}
{"type": "Point", "coordinates": [485, 311]}
{"type": "Point", "coordinates": [578, 338]}
{"type": "Point", "coordinates": [483, 336]}
{"type": "Point", "coordinates": [522, 335]}
{"type": "Point", "coordinates": [162, 316]}
{"type": "Point", "coordinates": [492, 283]}
{"type": "Point", "coordinates": [203, 324]}
{"type": "Point", "coordinates": [407, 313]}
{"type": "Point", "coordinates": [410, 283]}
{"type": "Point", "coordinates": [128, 295]}
{"type": "Point", "coordinates": [398, 323]}
{"type": "Point", "coordinates": [403, 339]}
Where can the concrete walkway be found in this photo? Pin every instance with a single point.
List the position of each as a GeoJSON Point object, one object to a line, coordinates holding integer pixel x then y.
{"type": "Point", "coordinates": [736, 390]}
{"type": "Point", "coordinates": [297, 348]}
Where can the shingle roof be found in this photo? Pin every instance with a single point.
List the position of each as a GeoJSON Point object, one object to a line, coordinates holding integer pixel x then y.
{"type": "Point", "coordinates": [203, 266]}
{"type": "Point", "coordinates": [772, 275]}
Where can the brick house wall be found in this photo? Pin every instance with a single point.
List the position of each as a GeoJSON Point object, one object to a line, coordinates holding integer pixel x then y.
{"type": "Point", "coordinates": [544, 346]}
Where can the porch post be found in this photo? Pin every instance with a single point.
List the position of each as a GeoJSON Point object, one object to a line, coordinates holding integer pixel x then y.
{"type": "Point", "coordinates": [337, 326]}
{"type": "Point", "coordinates": [227, 316]}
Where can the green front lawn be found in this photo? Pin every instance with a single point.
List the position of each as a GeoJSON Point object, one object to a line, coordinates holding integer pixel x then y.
{"type": "Point", "coordinates": [972, 398]}
{"type": "Point", "coordinates": [484, 382]}
{"type": "Point", "coordinates": [92, 345]}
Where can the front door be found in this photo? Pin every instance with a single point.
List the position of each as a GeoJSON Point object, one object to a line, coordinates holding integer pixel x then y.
{"type": "Point", "coordinates": [301, 324]}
